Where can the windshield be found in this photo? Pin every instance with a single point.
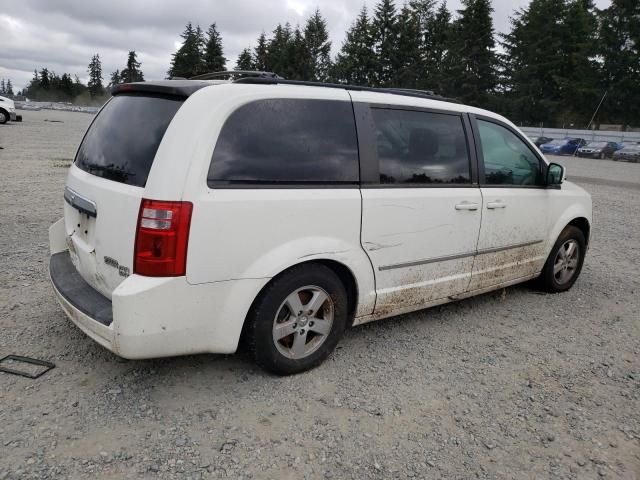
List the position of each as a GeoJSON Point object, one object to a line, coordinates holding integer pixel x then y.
{"type": "Point", "coordinates": [122, 141]}
{"type": "Point", "coordinates": [631, 148]}
{"type": "Point", "coordinates": [597, 145]}
{"type": "Point", "coordinates": [557, 142]}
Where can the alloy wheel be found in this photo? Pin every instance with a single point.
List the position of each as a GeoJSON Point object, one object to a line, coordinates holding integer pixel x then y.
{"type": "Point", "coordinates": [303, 322]}
{"type": "Point", "coordinates": [566, 262]}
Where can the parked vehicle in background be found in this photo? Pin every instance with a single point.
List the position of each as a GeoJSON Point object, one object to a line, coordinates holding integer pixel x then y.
{"type": "Point", "coordinates": [567, 146]}
{"type": "Point", "coordinates": [290, 211]}
{"type": "Point", "coordinates": [629, 153]}
{"type": "Point", "coordinates": [8, 110]}
{"type": "Point", "coordinates": [598, 150]}
{"type": "Point", "coordinates": [540, 140]}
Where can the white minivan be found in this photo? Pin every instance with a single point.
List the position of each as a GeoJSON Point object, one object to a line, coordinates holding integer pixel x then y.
{"type": "Point", "coordinates": [198, 214]}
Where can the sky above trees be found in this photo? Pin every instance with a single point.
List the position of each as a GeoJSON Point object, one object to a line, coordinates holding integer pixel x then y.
{"type": "Point", "coordinates": [63, 34]}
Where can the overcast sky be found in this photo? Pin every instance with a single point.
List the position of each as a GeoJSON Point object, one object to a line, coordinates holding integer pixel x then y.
{"type": "Point", "coordinates": [63, 34]}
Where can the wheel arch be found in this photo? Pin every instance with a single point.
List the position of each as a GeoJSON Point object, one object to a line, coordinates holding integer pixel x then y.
{"type": "Point", "coordinates": [583, 224]}
{"type": "Point", "coordinates": [344, 273]}
{"type": "Point", "coordinates": [6, 114]}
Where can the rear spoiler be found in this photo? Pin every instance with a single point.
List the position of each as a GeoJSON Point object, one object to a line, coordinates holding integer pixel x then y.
{"type": "Point", "coordinates": [178, 88]}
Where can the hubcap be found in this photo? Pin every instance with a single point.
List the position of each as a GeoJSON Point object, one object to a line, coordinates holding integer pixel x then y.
{"type": "Point", "coordinates": [303, 322]}
{"type": "Point", "coordinates": [566, 262]}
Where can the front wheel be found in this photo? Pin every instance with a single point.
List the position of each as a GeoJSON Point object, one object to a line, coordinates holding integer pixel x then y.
{"type": "Point", "coordinates": [565, 261]}
{"type": "Point", "coordinates": [298, 319]}
{"type": "Point", "coordinates": [4, 117]}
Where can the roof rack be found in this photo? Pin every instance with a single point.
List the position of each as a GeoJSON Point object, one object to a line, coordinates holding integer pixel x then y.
{"type": "Point", "coordinates": [234, 73]}
{"type": "Point", "coordinates": [395, 91]}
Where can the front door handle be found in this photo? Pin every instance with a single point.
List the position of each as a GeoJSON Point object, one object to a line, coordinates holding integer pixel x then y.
{"type": "Point", "coordinates": [467, 206]}
{"type": "Point", "coordinates": [496, 204]}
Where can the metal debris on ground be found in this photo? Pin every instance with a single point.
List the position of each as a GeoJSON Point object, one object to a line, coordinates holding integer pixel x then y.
{"type": "Point", "coordinates": [35, 373]}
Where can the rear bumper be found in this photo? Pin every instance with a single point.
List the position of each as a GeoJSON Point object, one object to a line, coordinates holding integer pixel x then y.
{"type": "Point", "coordinates": [153, 317]}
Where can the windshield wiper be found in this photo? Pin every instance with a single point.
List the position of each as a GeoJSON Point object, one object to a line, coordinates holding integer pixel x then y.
{"type": "Point", "coordinates": [114, 172]}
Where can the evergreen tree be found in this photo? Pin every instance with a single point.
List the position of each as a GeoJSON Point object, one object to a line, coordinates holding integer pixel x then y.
{"type": "Point", "coordinates": [245, 60]}
{"type": "Point", "coordinates": [44, 83]}
{"type": "Point", "coordinates": [355, 63]}
{"type": "Point", "coordinates": [213, 55]}
{"type": "Point", "coordinates": [296, 56]}
{"type": "Point", "coordinates": [318, 48]}
{"type": "Point", "coordinates": [619, 47]}
{"type": "Point", "coordinates": [132, 72]}
{"type": "Point", "coordinates": [533, 61]}
{"type": "Point", "coordinates": [260, 60]}
{"type": "Point", "coordinates": [115, 78]}
{"type": "Point", "coordinates": [95, 77]}
{"type": "Point", "coordinates": [277, 50]}
{"type": "Point", "coordinates": [3, 89]}
{"type": "Point", "coordinates": [9, 87]}
{"type": "Point", "coordinates": [66, 86]}
{"type": "Point", "coordinates": [385, 33]}
{"type": "Point", "coordinates": [407, 60]}
{"type": "Point", "coordinates": [436, 61]}
{"type": "Point", "coordinates": [473, 72]}
{"type": "Point", "coordinates": [188, 60]}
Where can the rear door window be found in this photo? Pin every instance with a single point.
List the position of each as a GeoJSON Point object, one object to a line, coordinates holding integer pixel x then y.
{"type": "Point", "coordinates": [287, 141]}
{"type": "Point", "coordinates": [123, 140]}
{"type": "Point", "coordinates": [417, 147]}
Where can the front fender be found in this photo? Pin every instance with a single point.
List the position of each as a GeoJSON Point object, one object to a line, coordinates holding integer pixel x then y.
{"type": "Point", "coordinates": [573, 202]}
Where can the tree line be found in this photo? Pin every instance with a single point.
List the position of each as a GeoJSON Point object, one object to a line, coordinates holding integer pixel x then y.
{"type": "Point", "coordinates": [6, 87]}
{"type": "Point", "coordinates": [555, 64]}
{"type": "Point", "coordinates": [47, 85]}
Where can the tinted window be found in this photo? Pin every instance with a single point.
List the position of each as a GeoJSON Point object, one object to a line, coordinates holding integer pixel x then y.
{"type": "Point", "coordinates": [507, 159]}
{"type": "Point", "coordinates": [122, 141]}
{"type": "Point", "coordinates": [420, 147]}
{"type": "Point", "coordinates": [287, 141]}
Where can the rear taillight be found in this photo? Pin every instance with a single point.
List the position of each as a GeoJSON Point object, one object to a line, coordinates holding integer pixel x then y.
{"type": "Point", "coordinates": [162, 237]}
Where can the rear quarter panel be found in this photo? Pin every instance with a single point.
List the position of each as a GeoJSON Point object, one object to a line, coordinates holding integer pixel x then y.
{"type": "Point", "coordinates": [244, 233]}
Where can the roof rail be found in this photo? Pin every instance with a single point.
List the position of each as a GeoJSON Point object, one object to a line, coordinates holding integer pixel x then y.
{"type": "Point", "coordinates": [232, 73]}
{"type": "Point", "coordinates": [394, 91]}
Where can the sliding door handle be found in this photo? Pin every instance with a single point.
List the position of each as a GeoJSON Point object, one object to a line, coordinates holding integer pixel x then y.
{"type": "Point", "coordinates": [467, 206]}
{"type": "Point", "coordinates": [496, 204]}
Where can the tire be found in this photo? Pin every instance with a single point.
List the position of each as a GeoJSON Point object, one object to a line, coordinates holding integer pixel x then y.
{"type": "Point", "coordinates": [602, 156]}
{"type": "Point", "coordinates": [286, 342]}
{"type": "Point", "coordinates": [4, 117]}
{"type": "Point", "coordinates": [570, 263]}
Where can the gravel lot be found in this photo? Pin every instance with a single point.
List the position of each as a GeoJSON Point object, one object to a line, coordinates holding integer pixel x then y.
{"type": "Point", "coordinates": [512, 384]}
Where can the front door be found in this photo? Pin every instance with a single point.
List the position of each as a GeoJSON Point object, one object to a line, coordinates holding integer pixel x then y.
{"type": "Point", "coordinates": [515, 222]}
{"type": "Point", "coordinates": [421, 214]}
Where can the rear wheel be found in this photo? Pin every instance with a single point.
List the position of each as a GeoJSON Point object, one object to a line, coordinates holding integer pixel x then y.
{"type": "Point", "coordinates": [565, 261]}
{"type": "Point", "coordinates": [298, 319]}
{"type": "Point", "coordinates": [602, 155]}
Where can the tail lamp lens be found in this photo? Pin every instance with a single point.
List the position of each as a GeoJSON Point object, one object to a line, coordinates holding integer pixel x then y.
{"type": "Point", "coordinates": [162, 238]}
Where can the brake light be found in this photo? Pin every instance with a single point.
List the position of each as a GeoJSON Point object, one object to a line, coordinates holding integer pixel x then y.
{"type": "Point", "coordinates": [162, 237]}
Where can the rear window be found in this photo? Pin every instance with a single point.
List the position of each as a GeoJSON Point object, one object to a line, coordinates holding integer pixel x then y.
{"type": "Point", "coordinates": [122, 141]}
{"type": "Point", "coordinates": [287, 141]}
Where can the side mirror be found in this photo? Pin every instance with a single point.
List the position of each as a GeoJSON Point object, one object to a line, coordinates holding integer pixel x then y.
{"type": "Point", "coordinates": [555, 175]}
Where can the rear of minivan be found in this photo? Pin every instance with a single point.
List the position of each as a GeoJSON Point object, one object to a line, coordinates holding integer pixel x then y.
{"type": "Point", "coordinates": [119, 255]}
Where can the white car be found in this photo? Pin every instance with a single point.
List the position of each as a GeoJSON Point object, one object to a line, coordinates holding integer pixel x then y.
{"type": "Point", "coordinates": [7, 110]}
{"type": "Point", "coordinates": [198, 213]}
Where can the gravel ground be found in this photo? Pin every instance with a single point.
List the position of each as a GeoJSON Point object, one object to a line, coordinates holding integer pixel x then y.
{"type": "Point", "coordinates": [512, 384]}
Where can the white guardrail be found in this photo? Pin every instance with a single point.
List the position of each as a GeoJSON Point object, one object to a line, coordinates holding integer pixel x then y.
{"type": "Point", "coordinates": [588, 135]}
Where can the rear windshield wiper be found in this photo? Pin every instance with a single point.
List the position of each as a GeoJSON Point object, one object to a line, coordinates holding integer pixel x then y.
{"type": "Point", "coordinates": [113, 172]}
